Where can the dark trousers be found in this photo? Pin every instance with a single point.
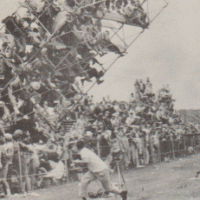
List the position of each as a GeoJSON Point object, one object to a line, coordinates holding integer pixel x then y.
{"type": "Point", "coordinates": [119, 3]}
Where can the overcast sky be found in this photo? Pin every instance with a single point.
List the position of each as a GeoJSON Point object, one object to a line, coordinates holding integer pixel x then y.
{"type": "Point", "coordinates": [167, 53]}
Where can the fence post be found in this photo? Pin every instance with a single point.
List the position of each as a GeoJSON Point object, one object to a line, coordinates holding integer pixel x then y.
{"type": "Point", "coordinates": [28, 184]}
{"type": "Point", "coordinates": [144, 149]}
{"type": "Point", "coordinates": [193, 141]}
{"type": "Point", "coordinates": [172, 140]}
{"type": "Point", "coordinates": [184, 142]}
{"type": "Point", "coordinates": [20, 166]}
{"type": "Point", "coordinates": [98, 148]}
{"type": "Point", "coordinates": [65, 159]}
{"type": "Point", "coordinates": [159, 152]}
{"type": "Point", "coordinates": [152, 156]}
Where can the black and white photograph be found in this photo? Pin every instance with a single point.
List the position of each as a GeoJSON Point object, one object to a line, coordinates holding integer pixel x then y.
{"type": "Point", "coordinates": [100, 99]}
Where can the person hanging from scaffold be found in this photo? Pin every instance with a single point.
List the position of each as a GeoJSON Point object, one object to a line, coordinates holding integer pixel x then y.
{"type": "Point", "coordinates": [97, 169]}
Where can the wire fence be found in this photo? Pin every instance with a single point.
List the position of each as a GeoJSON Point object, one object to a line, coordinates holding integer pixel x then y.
{"type": "Point", "coordinates": [35, 170]}
{"type": "Point", "coordinates": [23, 168]}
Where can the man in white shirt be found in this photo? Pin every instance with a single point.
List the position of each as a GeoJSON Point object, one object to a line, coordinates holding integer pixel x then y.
{"type": "Point", "coordinates": [97, 169]}
{"type": "Point", "coordinates": [131, 118]}
{"type": "Point", "coordinates": [80, 125]}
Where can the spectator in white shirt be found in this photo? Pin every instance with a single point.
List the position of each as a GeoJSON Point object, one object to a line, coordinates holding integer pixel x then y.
{"type": "Point", "coordinates": [148, 89]}
{"type": "Point", "coordinates": [80, 124]}
{"type": "Point", "coordinates": [130, 119]}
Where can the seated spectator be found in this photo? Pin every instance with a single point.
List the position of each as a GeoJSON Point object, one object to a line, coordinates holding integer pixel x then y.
{"type": "Point", "coordinates": [7, 46]}
{"type": "Point", "coordinates": [135, 15]}
{"type": "Point", "coordinates": [5, 114]}
{"type": "Point", "coordinates": [135, 2]}
{"type": "Point", "coordinates": [104, 41]}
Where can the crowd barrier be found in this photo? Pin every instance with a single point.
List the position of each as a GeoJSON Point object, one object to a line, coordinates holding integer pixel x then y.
{"type": "Point", "coordinates": [22, 170]}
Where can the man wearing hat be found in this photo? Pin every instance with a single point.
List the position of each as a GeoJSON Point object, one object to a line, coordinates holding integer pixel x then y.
{"type": "Point", "coordinates": [97, 169]}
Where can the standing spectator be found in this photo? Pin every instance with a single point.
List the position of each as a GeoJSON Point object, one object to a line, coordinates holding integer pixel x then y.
{"type": "Point", "coordinates": [6, 159]}
{"type": "Point", "coordinates": [137, 91]}
{"type": "Point", "coordinates": [146, 130]}
{"type": "Point", "coordinates": [107, 3]}
{"type": "Point", "coordinates": [110, 109]}
{"type": "Point", "coordinates": [130, 119]}
{"type": "Point", "coordinates": [22, 158]}
{"type": "Point", "coordinates": [99, 123]}
{"type": "Point", "coordinates": [142, 86]}
{"type": "Point", "coordinates": [136, 3]}
{"type": "Point", "coordinates": [116, 106]}
{"type": "Point", "coordinates": [34, 163]}
{"type": "Point", "coordinates": [139, 140]}
{"type": "Point", "coordinates": [107, 122]}
{"type": "Point", "coordinates": [115, 120]}
{"type": "Point", "coordinates": [134, 147]}
{"type": "Point", "coordinates": [166, 144]}
{"type": "Point", "coordinates": [132, 98]}
{"type": "Point", "coordinates": [148, 89]}
{"type": "Point", "coordinates": [97, 110]}
{"type": "Point", "coordinates": [120, 2]}
{"type": "Point", "coordinates": [124, 146]}
{"type": "Point", "coordinates": [115, 146]}
{"type": "Point", "coordinates": [105, 147]}
{"type": "Point", "coordinates": [80, 125]}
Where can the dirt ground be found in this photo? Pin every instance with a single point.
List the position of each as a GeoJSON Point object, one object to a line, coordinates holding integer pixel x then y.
{"type": "Point", "coordinates": [161, 181]}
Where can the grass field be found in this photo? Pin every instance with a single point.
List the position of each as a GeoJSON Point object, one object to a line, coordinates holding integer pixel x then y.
{"type": "Point", "coordinates": [161, 181]}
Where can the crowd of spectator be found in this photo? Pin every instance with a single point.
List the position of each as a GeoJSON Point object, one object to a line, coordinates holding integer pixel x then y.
{"type": "Point", "coordinates": [47, 52]}
{"type": "Point", "coordinates": [132, 132]}
{"type": "Point", "coordinates": [137, 130]}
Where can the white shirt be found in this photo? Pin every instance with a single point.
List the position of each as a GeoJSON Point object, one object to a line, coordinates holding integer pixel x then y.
{"type": "Point", "coordinates": [78, 86]}
{"type": "Point", "coordinates": [148, 89]}
{"type": "Point", "coordinates": [94, 163]}
{"type": "Point", "coordinates": [130, 120]}
{"type": "Point", "coordinates": [8, 150]}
